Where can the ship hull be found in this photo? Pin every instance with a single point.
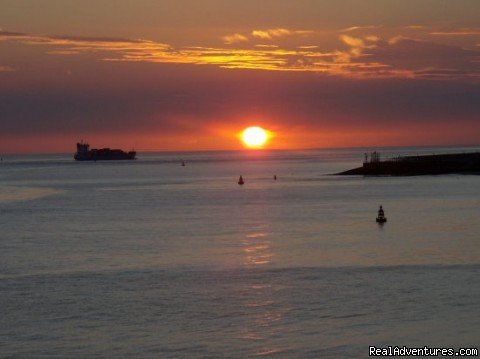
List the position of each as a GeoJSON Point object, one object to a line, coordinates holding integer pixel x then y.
{"type": "Point", "coordinates": [105, 158]}
{"type": "Point", "coordinates": [111, 155]}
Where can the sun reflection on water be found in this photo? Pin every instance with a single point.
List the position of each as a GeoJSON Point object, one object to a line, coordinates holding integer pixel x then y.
{"type": "Point", "coordinates": [262, 304]}
{"type": "Point", "coordinates": [257, 249]}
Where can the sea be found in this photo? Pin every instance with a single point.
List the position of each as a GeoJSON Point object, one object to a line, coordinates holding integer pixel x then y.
{"type": "Point", "coordinates": [152, 259]}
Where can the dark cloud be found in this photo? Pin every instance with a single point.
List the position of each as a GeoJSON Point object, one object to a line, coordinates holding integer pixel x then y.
{"type": "Point", "coordinates": [11, 34]}
{"type": "Point", "coordinates": [94, 39]}
{"type": "Point", "coordinates": [143, 102]}
{"type": "Point", "coordinates": [425, 58]}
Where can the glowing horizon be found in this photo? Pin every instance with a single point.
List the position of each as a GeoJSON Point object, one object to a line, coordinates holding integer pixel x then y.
{"type": "Point", "coordinates": [165, 76]}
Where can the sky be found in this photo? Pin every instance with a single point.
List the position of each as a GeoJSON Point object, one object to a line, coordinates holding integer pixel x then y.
{"type": "Point", "coordinates": [188, 75]}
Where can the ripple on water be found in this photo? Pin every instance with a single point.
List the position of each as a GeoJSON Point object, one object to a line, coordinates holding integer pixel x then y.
{"type": "Point", "coordinates": [14, 194]}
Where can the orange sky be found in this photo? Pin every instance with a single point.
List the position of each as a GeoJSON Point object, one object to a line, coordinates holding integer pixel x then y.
{"type": "Point", "coordinates": [189, 75]}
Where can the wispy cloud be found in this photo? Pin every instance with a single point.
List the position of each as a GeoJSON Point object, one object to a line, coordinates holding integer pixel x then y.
{"type": "Point", "coordinates": [279, 32]}
{"type": "Point", "coordinates": [366, 56]}
{"type": "Point", "coordinates": [357, 44]}
{"type": "Point", "coordinates": [6, 69]}
{"type": "Point", "coordinates": [234, 38]}
{"type": "Point", "coordinates": [415, 27]}
{"type": "Point", "coordinates": [355, 28]}
{"type": "Point", "coordinates": [457, 32]}
{"type": "Point", "coordinates": [353, 41]}
{"type": "Point", "coordinates": [425, 59]}
{"type": "Point", "coordinates": [267, 46]}
{"type": "Point", "coordinates": [78, 44]}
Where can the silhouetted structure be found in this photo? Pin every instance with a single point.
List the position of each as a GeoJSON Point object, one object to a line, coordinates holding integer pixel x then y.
{"type": "Point", "coordinates": [418, 165]}
{"type": "Point", "coordinates": [381, 216]}
{"type": "Point", "coordinates": [241, 181]}
{"type": "Point", "coordinates": [84, 153]}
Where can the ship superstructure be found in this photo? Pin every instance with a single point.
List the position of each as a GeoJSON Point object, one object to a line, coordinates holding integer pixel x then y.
{"type": "Point", "coordinates": [84, 153]}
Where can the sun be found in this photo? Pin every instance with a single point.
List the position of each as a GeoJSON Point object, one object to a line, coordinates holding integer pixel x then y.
{"type": "Point", "coordinates": [254, 137]}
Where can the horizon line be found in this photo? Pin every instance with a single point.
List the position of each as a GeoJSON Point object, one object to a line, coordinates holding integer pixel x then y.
{"type": "Point", "coordinates": [246, 150]}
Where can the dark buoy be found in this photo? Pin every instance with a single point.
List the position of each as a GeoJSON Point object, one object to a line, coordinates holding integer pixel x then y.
{"type": "Point", "coordinates": [274, 177]}
{"type": "Point", "coordinates": [183, 163]}
{"type": "Point", "coordinates": [381, 216]}
{"type": "Point", "coordinates": [241, 181]}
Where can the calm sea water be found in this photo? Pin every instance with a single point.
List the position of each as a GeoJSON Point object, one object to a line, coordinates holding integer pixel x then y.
{"type": "Point", "coordinates": [150, 259]}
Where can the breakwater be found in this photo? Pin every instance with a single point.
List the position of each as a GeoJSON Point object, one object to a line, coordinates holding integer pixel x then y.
{"type": "Point", "coordinates": [464, 163]}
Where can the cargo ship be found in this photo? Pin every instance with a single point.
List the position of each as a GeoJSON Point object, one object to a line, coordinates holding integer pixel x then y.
{"type": "Point", "coordinates": [84, 153]}
{"type": "Point", "coordinates": [458, 163]}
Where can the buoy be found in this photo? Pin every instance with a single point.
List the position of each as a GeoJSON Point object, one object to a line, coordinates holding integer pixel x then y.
{"type": "Point", "coordinates": [183, 163]}
{"type": "Point", "coordinates": [381, 216]}
{"type": "Point", "coordinates": [241, 181]}
{"type": "Point", "coordinates": [275, 177]}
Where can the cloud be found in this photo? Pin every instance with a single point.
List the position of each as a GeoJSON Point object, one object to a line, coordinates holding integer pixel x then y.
{"type": "Point", "coordinates": [234, 38]}
{"type": "Point", "coordinates": [358, 45]}
{"type": "Point", "coordinates": [279, 32]}
{"type": "Point", "coordinates": [352, 41]}
{"type": "Point", "coordinates": [116, 49]}
{"type": "Point", "coordinates": [269, 34]}
{"type": "Point", "coordinates": [372, 38]}
{"type": "Point", "coordinates": [71, 45]}
{"type": "Point", "coordinates": [62, 39]}
{"type": "Point", "coordinates": [459, 32]}
{"type": "Point", "coordinates": [6, 69]}
{"type": "Point", "coordinates": [267, 46]}
{"type": "Point", "coordinates": [367, 56]}
{"type": "Point", "coordinates": [425, 59]}
{"type": "Point", "coordinates": [355, 28]}
{"type": "Point", "coordinates": [415, 27]}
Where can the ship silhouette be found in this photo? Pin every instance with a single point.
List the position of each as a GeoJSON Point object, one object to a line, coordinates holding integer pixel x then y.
{"type": "Point", "coordinates": [84, 153]}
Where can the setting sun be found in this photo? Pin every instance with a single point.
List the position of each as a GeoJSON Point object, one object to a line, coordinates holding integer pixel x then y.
{"type": "Point", "coordinates": [254, 137]}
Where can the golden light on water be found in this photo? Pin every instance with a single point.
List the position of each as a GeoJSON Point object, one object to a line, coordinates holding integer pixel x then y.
{"type": "Point", "coordinates": [255, 137]}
